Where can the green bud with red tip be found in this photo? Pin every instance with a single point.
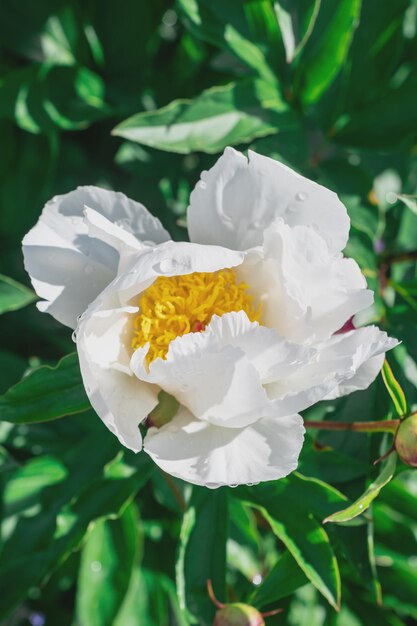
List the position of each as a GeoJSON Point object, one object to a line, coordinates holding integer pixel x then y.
{"type": "Point", "coordinates": [406, 440]}
{"type": "Point", "coordinates": [238, 614]}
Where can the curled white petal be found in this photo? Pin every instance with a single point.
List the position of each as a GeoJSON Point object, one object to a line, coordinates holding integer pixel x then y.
{"type": "Point", "coordinates": [342, 364]}
{"type": "Point", "coordinates": [238, 198]}
{"type": "Point", "coordinates": [307, 293]}
{"type": "Point", "coordinates": [205, 454]}
{"type": "Point", "coordinates": [68, 268]}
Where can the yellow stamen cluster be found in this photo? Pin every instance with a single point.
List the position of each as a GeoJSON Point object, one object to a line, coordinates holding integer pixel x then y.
{"type": "Point", "coordinates": [176, 305]}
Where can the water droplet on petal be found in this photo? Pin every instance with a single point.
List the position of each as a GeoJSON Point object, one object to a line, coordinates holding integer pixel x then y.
{"type": "Point", "coordinates": [233, 485]}
{"type": "Point", "coordinates": [166, 266]}
{"type": "Point", "coordinates": [301, 196]}
{"type": "Point", "coordinates": [202, 184]}
{"type": "Point", "coordinates": [74, 336]}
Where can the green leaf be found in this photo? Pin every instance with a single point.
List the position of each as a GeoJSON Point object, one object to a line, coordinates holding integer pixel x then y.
{"type": "Point", "coordinates": [410, 201]}
{"type": "Point", "coordinates": [292, 506]}
{"type": "Point", "coordinates": [47, 393]}
{"type": "Point", "coordinates": [284, 578]}
{"type": "Point", "coordinates": [385, 122]}
{"type": "Point", "coordinates": [219, 117]}
{"type": "Point", "coordinates": [202, 553]}
{"type": "Point", "coordinates": [151, 601]}
{"type": "Point", "coordinates": [248, 30]}
{"type": "Point", "coordinates": [44, 98]}
{"type": "Point", "coordinates": [98, 485]}
{"type": "Point", "coordinates": [365, 500]}
{"type": "Point", "coordinates": [398, 576]}
{"type": "Point", "coordinates": [107, 562]}
{"type": "Point", "coordinates": [13, 295]}
{"type": "Point", "coordinates": [296, 23]}
{"type": "Point", "coordinates": [323, 58]}
{"type": "Point", "coordinates": [394, 390]}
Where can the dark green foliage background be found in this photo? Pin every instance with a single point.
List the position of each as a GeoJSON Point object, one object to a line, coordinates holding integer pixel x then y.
{"type": "Point", "coordinates": [141, 97]}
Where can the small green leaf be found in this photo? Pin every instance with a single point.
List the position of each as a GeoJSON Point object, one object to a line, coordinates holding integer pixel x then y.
{"type": "Point", "coordinates": [13, 295]}
{"type": "Point", "coordinates": [394, 390]}
{"type": "Point", "coordinates": [202, 553]}
{"type": "Point", "coordinates": [365, 500]}
{"type": "Point", "coordinates": [284, 578]}
{"type": "Point", "coordinates": [219, 117]}
{"type": "Point", "coordinates": [47, 393]}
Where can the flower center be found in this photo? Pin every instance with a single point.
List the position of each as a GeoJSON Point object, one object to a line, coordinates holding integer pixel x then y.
{"type": "Point", "coordinates": [176, 305]}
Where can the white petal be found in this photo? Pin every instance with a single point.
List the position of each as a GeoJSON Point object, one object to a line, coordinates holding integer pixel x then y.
{"type": "Point", "coordinates": [344, 363]}
{"type": "Point", "coordinates": [67, 267]}
{"type": "Point", "coordinates": [307, 293]}
{"type": "Point", "coordinates": [237, 199]}
{"type": "Point", "coordinates": [216, 383]}
{"type": "Point", "coordinates": [272, 356]}
{"type": "Point", "coordinates": [204, 454]}
{"type": "Point", "coordinates": [120, 399]}
{"type": "Point", "coordinates": [172, 259]}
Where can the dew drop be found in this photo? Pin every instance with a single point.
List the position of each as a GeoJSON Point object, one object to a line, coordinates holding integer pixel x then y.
{"type": "Point", "coordinates": [95, 566]}
{"type": "Point", "coordinates": [202, 184]}
{"type": "Point", "coordinates": [74, 336]}
{"type": "Point", "coordinates": [301, 196]}
{"type": "Point", "coordinates": [166, 266]}
{"type": "Point", "coordinates": [233, 485]}
{"type": "Point", "coordinates": [361, 506]}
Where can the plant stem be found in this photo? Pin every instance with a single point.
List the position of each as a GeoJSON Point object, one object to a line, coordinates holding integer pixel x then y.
{"type": "Point", "coordinates": [383, 426]}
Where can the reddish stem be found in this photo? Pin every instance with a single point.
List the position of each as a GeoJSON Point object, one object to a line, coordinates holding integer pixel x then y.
{"type": "Point", "coordinates": [212, 596]}
{"type": "Point", "coordinates": [382, 426]}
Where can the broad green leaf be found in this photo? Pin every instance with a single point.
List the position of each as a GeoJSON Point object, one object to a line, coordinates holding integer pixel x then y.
{"type": "Point", "coordinates": [365, 500]}
{"type": "Point", "coordinates": [107, 562]}
{"type": "Point", "coordinates": [285, 577]}
{"type": "Point", "coordinates": [13, 295]}
{"type": "Point", "coordinates": [27, 482]}
{"type": "Point", "coordinates": [248, 30]}
{"type": "Point", "coordinates": [375, 52]}
{"type": "Point", "coordinates": [292, 506]}
{"type": "Point", "coordinates": [382, 123]}
{"type": "Point", "coordinates": [394, 390]}
{"type": "Point", "coordinates": [219, 117]}
{"type": "Point", "coordinates": [324, 56]}
{"type": "Point", "coordinates": [296, 23]}
{"type": "Point", "coordinates": [47, 393]}
{"type": "Point", "coordinates": [151, 600]}
{"type": "Point", "coordinates": [202, 553]}
{"type": "Point", "coordinates": [96, 487]}
{"type": "Point", "coordinates": [44, 98]}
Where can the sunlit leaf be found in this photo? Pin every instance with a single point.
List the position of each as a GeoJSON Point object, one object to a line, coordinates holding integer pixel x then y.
{"type": "Point", "coordinates": [365, 500]}
{"type": "Point", "coordinates": [47, 393]}
{"type": "Point", "coordinates": [219, 117]}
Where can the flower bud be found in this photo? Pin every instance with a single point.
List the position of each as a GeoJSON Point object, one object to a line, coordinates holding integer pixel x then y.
{"type": "Point", "coordinates": [406, 440]}
{"type": "Point", "coordinates": [238, 615]}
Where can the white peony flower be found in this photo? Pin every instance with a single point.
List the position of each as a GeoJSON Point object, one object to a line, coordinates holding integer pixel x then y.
{"type": "Point", "coordinates": [238, 328]}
